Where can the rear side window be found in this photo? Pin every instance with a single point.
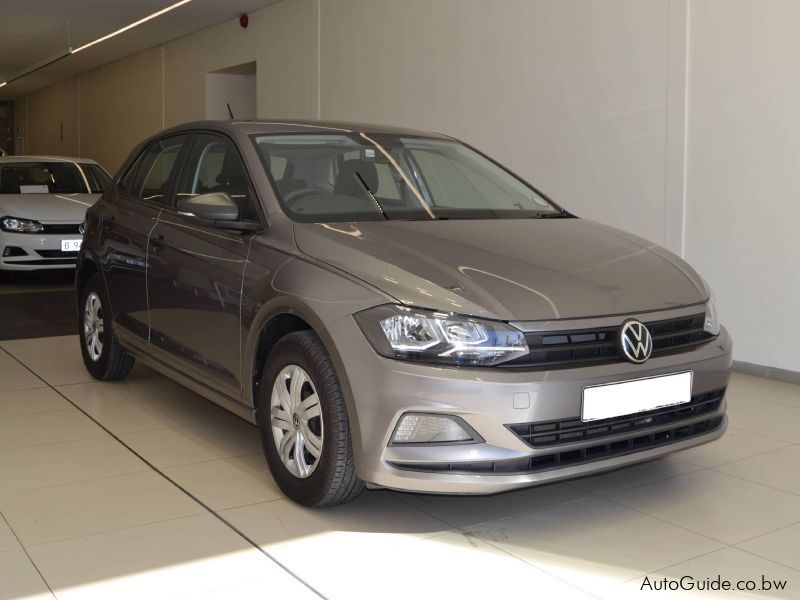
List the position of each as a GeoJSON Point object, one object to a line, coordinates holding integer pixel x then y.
{"type": "Point", "coordinates": [41, 178]}
{"type": "Point", "coordinates": [155, 168]}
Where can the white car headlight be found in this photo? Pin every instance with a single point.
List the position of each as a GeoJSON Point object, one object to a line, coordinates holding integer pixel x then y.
{"type": "Point", "coordinates": [711, 323]}
{"type": "Point", "coordinates": [437, 337]}
{"type": "Point", "coordinates": [15, 225]}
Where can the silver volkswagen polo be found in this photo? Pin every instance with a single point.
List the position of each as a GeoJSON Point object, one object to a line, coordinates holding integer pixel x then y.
{"type": "Point", "coordinates": [395, 309]}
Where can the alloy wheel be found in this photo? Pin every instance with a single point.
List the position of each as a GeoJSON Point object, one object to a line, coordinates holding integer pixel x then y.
{"type": "Point", "coordinates": [93, 326]}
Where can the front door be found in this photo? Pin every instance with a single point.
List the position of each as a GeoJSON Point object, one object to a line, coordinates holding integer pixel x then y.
{"type": "Point", "coordinates": [195, 272]}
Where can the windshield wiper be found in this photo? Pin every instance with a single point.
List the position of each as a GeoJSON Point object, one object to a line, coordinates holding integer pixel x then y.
{"type": "Point", "coordinates": [561, 214]}
{"type": "Point", "coordinates": [371, 195]}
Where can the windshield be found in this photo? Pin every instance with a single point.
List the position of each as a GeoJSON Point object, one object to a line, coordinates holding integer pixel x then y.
{"type": "Point", "coordinates": [41, 178]}
{"type": "Point", "coordinates": [98, 179]}
{"type": "Point", "coordinates": [360, 177]}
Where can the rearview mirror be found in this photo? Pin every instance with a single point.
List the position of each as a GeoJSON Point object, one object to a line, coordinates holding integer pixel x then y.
{"type": "Point", "coordinates": [215, 206]}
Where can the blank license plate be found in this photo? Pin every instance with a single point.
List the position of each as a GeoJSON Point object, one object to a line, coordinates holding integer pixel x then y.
{"type": "Point", "coordinates": [639, 395]}
{"type": "Point", "coordinates": [70, 245]}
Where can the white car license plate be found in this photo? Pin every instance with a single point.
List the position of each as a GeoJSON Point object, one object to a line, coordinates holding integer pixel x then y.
{"type": "Point", "coordinates": [70, 245]}
{"type": "Point", "coordinates": [638, 395]}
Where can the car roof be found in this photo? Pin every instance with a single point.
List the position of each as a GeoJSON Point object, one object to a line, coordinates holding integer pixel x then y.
{"type": "Point", "coordinates": [251, 126]}
{"type": "Point", "coordinates": [41, 158]}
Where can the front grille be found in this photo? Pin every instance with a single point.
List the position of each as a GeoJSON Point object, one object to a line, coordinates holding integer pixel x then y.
{"type": "Point", "coordinates": [663, 426]}
{"type": "Point", "coordinates": [56, 254]}
{"type": "Point", "coordinates": [549, 433]}
{"type": "Point", "coordinates": [597, 346]}
{"type": "Point", "coordinates": [67, 228]}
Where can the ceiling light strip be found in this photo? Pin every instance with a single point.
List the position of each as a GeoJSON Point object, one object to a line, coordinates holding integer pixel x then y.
{"type": "Point", "coordinates": [70, 51]}
{"type": "Point", "coordinates": [131, 26]}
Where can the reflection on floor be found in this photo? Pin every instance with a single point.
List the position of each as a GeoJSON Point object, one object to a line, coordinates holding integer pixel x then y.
{"type": "Point", "coordinates": [83, 516]}
{"type": "Point", "coordinates": [37, 304]}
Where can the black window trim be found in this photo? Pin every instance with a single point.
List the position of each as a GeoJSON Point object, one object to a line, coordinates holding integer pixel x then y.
{"type": "Point", "coordinates": [256, 198]}
{"type": "Point", "coordinates": [133, 171]}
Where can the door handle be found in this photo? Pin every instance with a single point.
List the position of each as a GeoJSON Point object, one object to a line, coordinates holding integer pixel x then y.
{"type": "Point", "coordinates": [157, 242]}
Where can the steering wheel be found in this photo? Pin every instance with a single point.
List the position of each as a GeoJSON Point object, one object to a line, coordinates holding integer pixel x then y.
{"type": "Point", "coordinates": [295, 195]}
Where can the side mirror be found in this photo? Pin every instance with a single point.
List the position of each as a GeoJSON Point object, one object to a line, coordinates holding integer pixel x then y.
{"type": "Point", "coordinates": [213, 207]}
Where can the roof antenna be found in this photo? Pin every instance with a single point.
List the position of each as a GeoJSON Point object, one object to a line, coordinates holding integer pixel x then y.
{"type": "Point", "coordinates": [230, 112]}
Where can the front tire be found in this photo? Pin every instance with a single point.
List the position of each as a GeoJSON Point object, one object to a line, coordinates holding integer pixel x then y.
{"type": "Point", "coordinates": [305, 431]}
{"type": "Point", "coordinates": [103, 356]}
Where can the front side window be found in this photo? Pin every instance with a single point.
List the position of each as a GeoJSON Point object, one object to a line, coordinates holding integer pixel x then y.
{"type": "Point", "coordinates": [98, 179]}
{"type": "Point", "coordinates": [214, 165]}
{"type": "Point", "coordinates": [353, 177]}
{"type": "Point", "coordinates": [154, 169]}
{"type": "Point", "coordinates": [41, 178]}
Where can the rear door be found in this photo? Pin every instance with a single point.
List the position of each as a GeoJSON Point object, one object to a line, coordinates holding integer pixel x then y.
{"type": "Point", "coordinates": [195, 272]}
{"type": "Point", "coordinates": [127, 223]}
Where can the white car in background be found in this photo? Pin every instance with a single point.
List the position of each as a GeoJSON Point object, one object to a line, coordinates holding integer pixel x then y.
{"type": "Point", "coordinates": [43, 201]}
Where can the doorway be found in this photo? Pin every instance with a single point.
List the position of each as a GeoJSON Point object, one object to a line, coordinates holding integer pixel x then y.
{"type": "Point", "coordinates": [232, 92]}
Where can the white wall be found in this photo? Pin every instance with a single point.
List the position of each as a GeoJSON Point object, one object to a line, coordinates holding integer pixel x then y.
{"type": "Point", "coordinates": [571, 95]}
{"type": "Point", "coordinates": [234, 90]}
{"type": "Point", "coordinates": [743, 176]}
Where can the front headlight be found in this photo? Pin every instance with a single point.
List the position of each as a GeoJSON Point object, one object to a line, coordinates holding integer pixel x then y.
{"type": "Point", "coordinates": [711, 323]}
{"type": "Point", "coordinates": [438, 337]}
{"type": "Point", "coordinates": [15, 225]}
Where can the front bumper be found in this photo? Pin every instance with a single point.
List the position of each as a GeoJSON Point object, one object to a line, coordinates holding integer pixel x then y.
{"type": "Point", "coordinates": [32, 251]}
{"type": "Point", "coordinates": [490, 400]}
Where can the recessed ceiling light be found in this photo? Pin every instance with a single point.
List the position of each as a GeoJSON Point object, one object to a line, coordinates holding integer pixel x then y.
{"type": "Point", "coordinates": [132, 25]}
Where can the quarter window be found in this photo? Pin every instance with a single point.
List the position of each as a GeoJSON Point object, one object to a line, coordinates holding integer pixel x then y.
{"type": "Point", "coordinates": [155, 169]}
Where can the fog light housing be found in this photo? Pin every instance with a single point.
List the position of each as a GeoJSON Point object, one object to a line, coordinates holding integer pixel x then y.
{"type": "Point", "coordinates": [426, 428]}
{"type": "Point", "coordinates": [13, 251]}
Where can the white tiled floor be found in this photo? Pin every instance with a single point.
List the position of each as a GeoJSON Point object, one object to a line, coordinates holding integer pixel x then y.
{"type": "Point", "coordinates": [82, 515]}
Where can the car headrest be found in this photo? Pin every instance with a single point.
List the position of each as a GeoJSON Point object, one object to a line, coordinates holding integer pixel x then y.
{"type": "Point", "coordinates": [347, 183]}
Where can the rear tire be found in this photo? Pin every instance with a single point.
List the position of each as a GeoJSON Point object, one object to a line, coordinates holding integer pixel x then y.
{"type": "Point", "coordinates": [301, 405]}
{"type": "Point", "coordinates": [103, 356]}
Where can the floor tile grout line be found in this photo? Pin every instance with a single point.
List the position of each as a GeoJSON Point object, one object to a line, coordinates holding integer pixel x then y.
{"type": "Point", "coordinates": [663, 520]}
{"type": "Point", "coordinates": [638, 485]}
{"type": "Point", "coordinates": [756, 455]}
{"type": "Point", "coordinates": [69, 441]}
{"type": "Point", "coordinates": [3, 492]}
{"type": "Point", "coordinates": [111, 530]}
{"type": "Point", "coordinates": [25, 550]}
{"type": "Point", "coordinates": [25, 389]}
{"type": "Point", "coordinates": [535, 566]}
{"type": "Point", "coordinates": [466, 531]}
{"type": "Point", "coordinates": [769, 437]}
{"type": "Point", "coordinates": [739, 477]}
{"type": "Point", "coordinates": [633, 485]}
{"type": "Point", "coordinates": [184, 490]}
{"type": "Point", "coordinates": [751, 553]}
{"type": "Point", "coordinates": [680, 562]}
{"type": "Point", "coordinates": [770, 532]}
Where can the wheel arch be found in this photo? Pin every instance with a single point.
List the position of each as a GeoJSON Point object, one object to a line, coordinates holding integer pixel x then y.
{"type": "Point", "coordinates": [86, 266]}
{"type": "Point", "coordinates": [275, 320]}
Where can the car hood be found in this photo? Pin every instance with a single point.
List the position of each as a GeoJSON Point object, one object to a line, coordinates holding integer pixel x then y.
{"type": "Point", "coordinates": [47, 208]}
{"type": "Point", "coordinates": [520, 269]}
